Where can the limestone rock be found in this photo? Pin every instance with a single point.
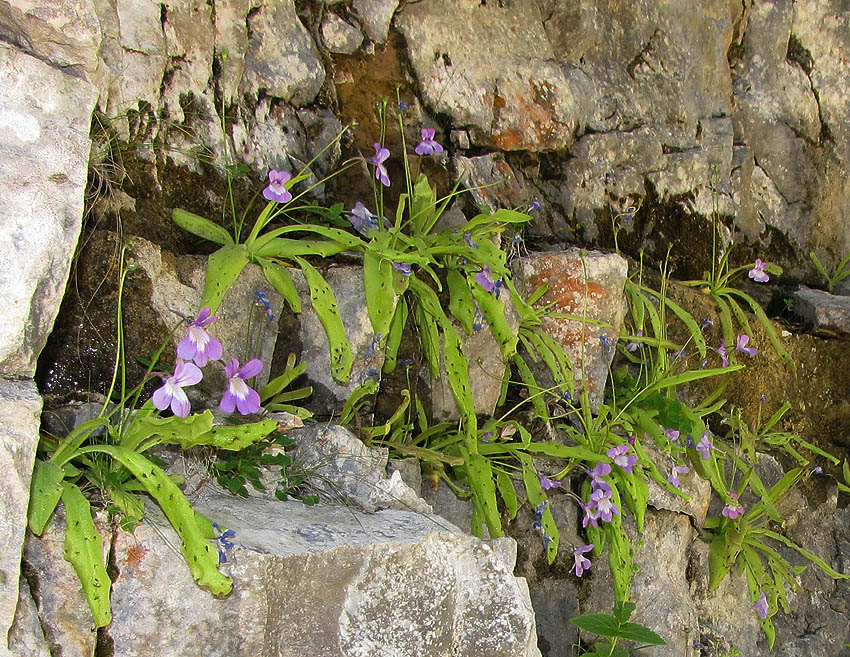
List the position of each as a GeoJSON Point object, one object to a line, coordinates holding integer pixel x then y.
{"type": "Point", "coordinates": [20, 408]}
{"type": "Point", "coordinates": [44, 114]}
{"type": "Point", "coordinates": [696, 488]}
{"type": "Point", "coordinates": [376, 16]}
{"type": "Point", "coordinates": [26, 638]}
{"type": "Point", "coordinates": [518, 100]}
{"type": "Point", "coordinates": [308, 338]}
{"type": "Point", "coordinates": [64, 34]}
{"type": "Point", "coordinates": [340, 37]}
{"type": "Point", "coordinates": [344, 470]}
{"type": "Point", "coordinates": [588, 284]}
{"type": "Point", "coordinates": [316, 580]}
{"type": "Point", "coordinates": [282, 58]}
{"type": "Point", "coordinates": [822, 309]}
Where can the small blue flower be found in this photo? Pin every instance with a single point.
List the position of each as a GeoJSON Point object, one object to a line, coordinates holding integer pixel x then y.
{"type": "Point", "coordinates": [467, 237]}
{"type": "Point", "coordinates": [403, 268]}
{"type": "Point", "coordinates": [224, 542]}
{"type": "Point", "coordinates": [761, 398]}
{"type": "Point", "coordinates": [403, 105]}
{"type": "Point", "coordinates": [535, 206]}
{"type": "Point", "coordinates": [370, 350]}
{"type": "Point", "coordinates": [629, 213]}
{"type": "Point", "coordinates": [265, 304]}
{"type": "Point", "coordinates": [606, 341]}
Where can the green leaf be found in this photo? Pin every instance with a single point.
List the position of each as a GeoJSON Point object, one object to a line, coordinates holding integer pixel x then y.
{"type": "Point", "coordinates": [288, 249]}
{"type": "Point", "coordinates": [601, 624]}
{"type": "Point", "coordinates": [324, 303]}
{"type": "Point", "coordinates": [201, 558]}
{"type": "Point", "coordinates": [45, 491]}
{"type": "Point", "coordinates": [223, 268]}
{"type": "Point", "coordinates": [623, 611]}
{"type": "Point", "coordinates": [84, 550]}
{"type": "Point", "coordinates": [396, 332]}
{"type": "Point", "coordinates": [494, 311]}
{"type": "Point", "coordinates": [507, 492]}
{"type": "Point", "coordinates": [281, 280]}
{"type": "Point", "coordinates": [641, 634]}
{"type": "Point", "coordinates": [366, 389]}
{"type": "Point", "coordinates": [483, 491]}
{"type": "Point", "coordinates": [422, 206]}
{"type": "Point", "coordinates": [201, 227]}
{"type": "Point", "coordinates": [535, 495]}
{"type": "Point", "coordinates": [461, 303]}
{"type": "Point", "coordinates": [380, 298]}
{"type": "Point", "coordinates": [429, 337]}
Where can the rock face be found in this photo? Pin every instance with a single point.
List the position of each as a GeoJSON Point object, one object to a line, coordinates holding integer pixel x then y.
{"type": "Point", "coordinates": [20, 408]}
{"type": "Point", "coordinates": [582, 284]}
{"type": "Point", "coordinates": [822, 309]}
{"type": "Point", "coordinates": [45, 117]}
{"type": "Point", "coordinates": [322, 580]}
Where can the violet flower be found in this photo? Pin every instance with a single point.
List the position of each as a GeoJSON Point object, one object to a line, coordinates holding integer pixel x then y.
{"type": "Point", "coordinates": [171, 393]}
{"type": "Point", "coordinates": [723, 353]}
{"type": "Point", "coordinates": [428, 146]}
{"type": "Point", "coordinates": [599, 470]}
{"type": "Point", "coordinates": [485, 280]}
{"type": "Point", "coordinates": [381, 155]}
{"type": "Point", "coordinates": [403, 268]}
{"type": "Point", "coordinates": [263, 301]}
{"type": "Point", "coordinates": [362, 220]}
{"type": "Point", "coordinates": [758, 273]}
{"type": "Point", "coordinates": [276, 191]}
{"type": "Point", "coordinates": [198, 345]}
{"type": "Point", "coordinates": [619, 455]}
{"type": "Point", "coordinates": [605, 507]}
{"type": "Point", "coordinates": [761, 607]}
{"type": "Point", "coordinates": [674, 475]}
{"type": "Point", "coordinates": [547, 484]}
{"type": "Point", "coordinates": [732, 511]}
{"type": "Point", "coordinates": [467, 237]}
{"type": "Point", "coordinates": [741, 345]}
{"type": "Point", "coordinates": [582, 563]}
{"type": "Point", "coordinates": [705, 446]}
{"type": "Point", "coordinates": [634, 346]}
{"type": "Point", "coordinates": [535, 206]}
{"type": "Point", "coordinates": [238, 394]}
{"type": "Point", "coordinates": [672, 434]}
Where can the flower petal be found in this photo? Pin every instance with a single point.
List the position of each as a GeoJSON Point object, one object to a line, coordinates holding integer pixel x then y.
{"type": "Point", "coordinates": [251, 369]}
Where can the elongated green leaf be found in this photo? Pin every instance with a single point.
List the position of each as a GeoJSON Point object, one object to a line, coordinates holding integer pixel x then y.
{"type": "Point", "coordinates": [223, 268]}
{"type": "Point", "coordinates": [84, 550]}
{"type": "Point", "coordinates": [233, 437]}
{"type": "Point", "coordinates": [380, 298]}
{"type": "Point", "coordinates": [396, 332]}
{"type": "Point", "coordinates": [499, 216]}
{"type": "Point", "coordinates": [494, 311]}
{"type": "Point", "coordinates": [457, 372]}
{"type": "Point", "coordinates": [366, 389]}
{"type": "Point", "coordinates": [815, 559]}
{"type": "Point", "coordinates": [537, 499]}
{"type": "Point", "coordinates": [461, 303]}
{"type": "Point", "coordinates": [284, 248]}
{"type": "Point", "coordinates": [324, 303]}
{"type": "Point", "coordinates": [483, 491]}
{"type": "Point", "coordinates": [201, 558]}
{"type": "Point", "coordinates": [341, 237]}
{"type": "Point", "coordinates": [281, 280]}
{"type": "Point", "coordinates": [175, 430]}
{"type": "Point", "coordinates": [429, 337]}
{"type": "Point", "coordinates": [45, 491]}
{"type": "Point", "coordinates": [505, 485]}
{"type": "Point", "coordinates": [201, 227]}
{"type": "Point", "coordinates": [767, 325]}
{"type": "Point", "coordinates": [535, 392]}
{"type": "Point", "coordinates": [422, 206]}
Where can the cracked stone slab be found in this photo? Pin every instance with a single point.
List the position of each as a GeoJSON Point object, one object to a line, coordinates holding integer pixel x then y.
{"type": "Point", "coordinates": [823, 310]}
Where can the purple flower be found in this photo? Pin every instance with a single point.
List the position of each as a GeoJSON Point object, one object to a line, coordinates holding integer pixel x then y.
{"type": "Point", "coordinates": [276, 190]}
{"type": "Point", "coordinates": [634, 346]}
{"type": "Point", "coordinates": [547, 484]}
{"type": "Point", "coordinates": [732, 511]}
{"type": "Point", "coordinates": [381, 154]}
{"type": "Point", "coordinates": [582, 563]}
{"type": "Point", "coordinates": [467, 237]}
{"type": "Point", "coordinates": [674, 475]}
{"type": "Point", "coordinates": [485, 280]}
{"type": "Point", "coordinates": [198, 345]}
{"type": "Point", "coordinates": [619, 455]}
{"type": "Point", "coordinates": [605, 340]}
{"type": "Point", "coordinates": [171, 393]}
{"type": "Point", "coordinates": [238, 394]}
{"type": "Point", "coordinates": [705, 446]}
{"type": "Point", "coordinates": [535, 206]}
{"type": "Point", "coordinates": [629, 213]}
{"type": "Point", "coordinates": [758, 273]}
{"type": "Point", "coordinates": [224, 542]}
{"type": "Point", "coordinates": [604, 504]}
{"type": "Point", "coordinates": [427, 146]}
{"type": "Point", "coordinates": [672, 434]}
{"type": "Point", "coordinates": [403, 268]}
{"type": "Point", "coordinates": [362, 220]}
{"type": "Point", "coordinates": [723, 354]}
{"type": "Point", "coordinates": [741, 345]}
{"type": "Point", "coordinates": [478, 319]}
{"type": "Point", "coordinates": [599, 470]}
{"type": "Point", "coordinates": [761, 607]}
{"type": "Point", "coordinates": [403, 106]}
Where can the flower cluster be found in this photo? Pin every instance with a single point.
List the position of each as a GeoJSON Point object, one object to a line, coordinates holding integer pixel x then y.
{"type": "Point", "coordinates": [537, 525]}
{"type": "Point", "coordinates": [601, 505]}
{"type": "Point", "coordinates": [199, 346]}
{"type": "Point", "coordinates": [224, 542]}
